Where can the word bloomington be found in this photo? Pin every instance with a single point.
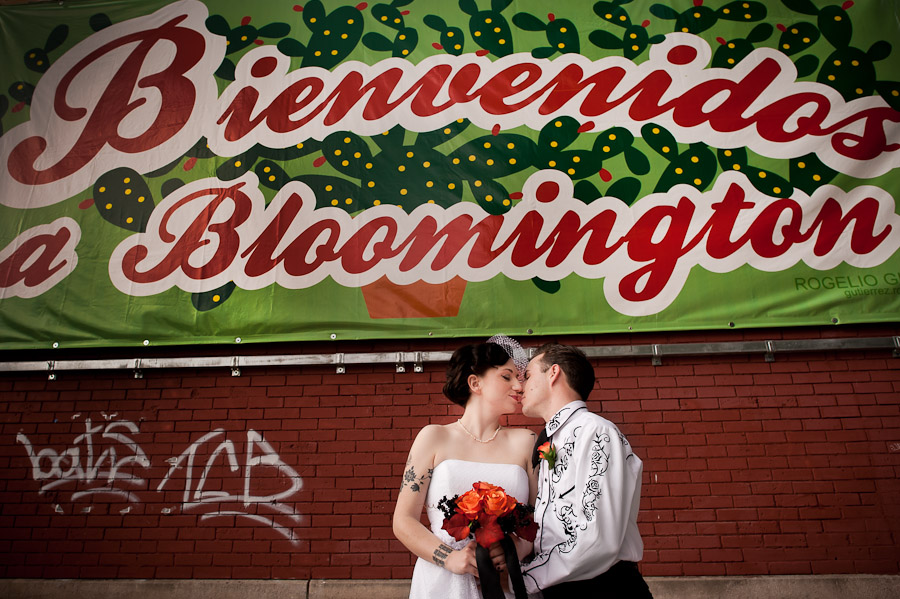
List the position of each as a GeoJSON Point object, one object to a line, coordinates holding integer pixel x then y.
{"type": "Point", "coordinates": [210, 232]}
{"type": "Point", "coordinates": [140, 93]}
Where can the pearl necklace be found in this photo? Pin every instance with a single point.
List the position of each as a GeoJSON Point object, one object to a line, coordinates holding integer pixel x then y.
{"type": "Point", "coordinates": [463, 426]}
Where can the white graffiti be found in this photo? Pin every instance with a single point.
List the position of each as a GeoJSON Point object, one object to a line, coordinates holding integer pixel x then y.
{"type": "Point", "coordinates": [210, 461]}
{"type": "Point", "coordinates": [258, 454]}
{"type": "Point", "coordinates": [78, 464]}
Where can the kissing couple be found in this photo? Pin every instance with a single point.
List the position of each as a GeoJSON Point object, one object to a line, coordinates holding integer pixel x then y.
{"type": "Point", "coordinates": [513, 514]}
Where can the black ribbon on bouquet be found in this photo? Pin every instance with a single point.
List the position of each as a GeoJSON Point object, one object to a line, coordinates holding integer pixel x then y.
{"type": "Point", "coordinates": [490, 578]}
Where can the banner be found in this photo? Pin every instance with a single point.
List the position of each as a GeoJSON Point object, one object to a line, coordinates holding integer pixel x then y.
{"type": "Point", "coordinates": [189, 172]}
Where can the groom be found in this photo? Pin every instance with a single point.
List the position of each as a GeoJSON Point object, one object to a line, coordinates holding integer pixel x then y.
{"type": "Point", "coordinates": [589, 487]}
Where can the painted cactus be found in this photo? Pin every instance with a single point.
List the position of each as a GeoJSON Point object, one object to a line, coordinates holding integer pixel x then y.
{"type": "Point", "coordinates": [797, 38]}
{"type": "Point", "coordinates": [696, 166]}
{"type": "Point", "coordinates": [489, 28]}
{"type": "Point", "coordinates": [632, 41]}
{"type": "Point", "coordinates": [4, 106]}
{"type": "Point", "coordinates": [809, 173]}
{"type": "Point", "coordinates": [562, 36]}
{"type": "Point", "coordinates": [123, 198]}
{"type": "Point", "coordinates": [38, 59]}
{"type": "Point", "coordinates": [334, 36]}
{"type": "Point", "coordinates": [731, 52]}
{"type": "Point", "coordinates": [764, 181]}
{"type": "Point", "coordinates": [240, 37]}
{"type": "Point", "coordinates": [452, 39]}
{"type": "Point", "coordinates": [700, 17]}
{"type": "Point", "coordinates": [405, 39]}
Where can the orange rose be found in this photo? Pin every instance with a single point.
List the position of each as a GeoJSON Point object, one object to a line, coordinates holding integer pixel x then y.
{"type": "Point", "coordinates": [469, 504]}
{"type": "Point", "coordinates": [484, 488]}
{"type": "Point", "coordinates": [498, 503]}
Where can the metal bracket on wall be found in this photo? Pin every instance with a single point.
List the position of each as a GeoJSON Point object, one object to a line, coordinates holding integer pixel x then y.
{"type": "Point", "coordinates": [656, 352]}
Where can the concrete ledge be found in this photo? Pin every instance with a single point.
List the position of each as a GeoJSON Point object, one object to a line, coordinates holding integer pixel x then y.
{"type": "Point", "coordinates": [700, 587]}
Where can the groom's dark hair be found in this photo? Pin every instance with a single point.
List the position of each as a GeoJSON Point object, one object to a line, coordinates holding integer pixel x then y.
{"type": "Point", "coordinates": [574, 364]}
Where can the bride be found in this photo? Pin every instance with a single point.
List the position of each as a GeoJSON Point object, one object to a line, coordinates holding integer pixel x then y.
{"type": "Point", "coordinates": [446, 460]}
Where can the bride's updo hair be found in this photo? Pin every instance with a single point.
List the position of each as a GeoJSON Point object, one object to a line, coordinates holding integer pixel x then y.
{"type": "Point", "coordinates": [468, 360]}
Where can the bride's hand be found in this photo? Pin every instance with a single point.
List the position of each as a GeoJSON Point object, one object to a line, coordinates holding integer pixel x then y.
{"type": "Point", "coordinates": [462, 561]}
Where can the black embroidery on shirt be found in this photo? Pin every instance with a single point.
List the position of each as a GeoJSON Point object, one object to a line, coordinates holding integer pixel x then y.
{"type": "Point", "coordinates": [599, 465]}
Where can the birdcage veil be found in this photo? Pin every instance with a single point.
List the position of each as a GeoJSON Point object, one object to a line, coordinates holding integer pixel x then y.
{"type": "Point", "coordinates": [513, 349]}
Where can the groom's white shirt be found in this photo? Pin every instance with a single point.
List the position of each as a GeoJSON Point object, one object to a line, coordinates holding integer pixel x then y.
{"type": "Point", "coordinates": [587, 505]}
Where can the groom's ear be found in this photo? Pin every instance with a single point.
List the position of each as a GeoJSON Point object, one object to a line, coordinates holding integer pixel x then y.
{"type": "Point", "coordinates": [553, 373]}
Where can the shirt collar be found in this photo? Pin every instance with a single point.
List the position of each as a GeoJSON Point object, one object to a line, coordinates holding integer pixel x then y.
{"type": "Point", "coordinates": [563, 415]}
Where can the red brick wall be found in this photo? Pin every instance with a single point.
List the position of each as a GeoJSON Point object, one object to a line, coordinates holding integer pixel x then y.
{"type": "Point", "coordinates": [789, 467]}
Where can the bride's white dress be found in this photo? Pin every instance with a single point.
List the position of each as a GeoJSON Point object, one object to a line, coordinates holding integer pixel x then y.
{"type": "Point", "coordinates": [454, 477]}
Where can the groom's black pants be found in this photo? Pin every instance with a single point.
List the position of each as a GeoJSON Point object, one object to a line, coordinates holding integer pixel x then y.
{"type": "Point", "coordinates": [622, 581]}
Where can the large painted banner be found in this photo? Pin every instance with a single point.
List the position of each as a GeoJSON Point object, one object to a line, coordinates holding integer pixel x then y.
{"type": "Point", "coordinates": [189, 172]}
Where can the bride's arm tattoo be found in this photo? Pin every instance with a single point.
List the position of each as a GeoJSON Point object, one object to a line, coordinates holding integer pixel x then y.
{"type": "Point", "coordinates": [416, 483]}
{"type": "Point", "coordinates": [440, 554]}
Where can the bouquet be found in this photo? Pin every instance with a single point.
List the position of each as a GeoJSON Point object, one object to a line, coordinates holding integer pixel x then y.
{"type": "Point", "coordinates": [488, 513]}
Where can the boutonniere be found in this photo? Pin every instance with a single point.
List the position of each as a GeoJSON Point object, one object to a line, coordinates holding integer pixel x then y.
{"type": "Point", "coordinates": [548, 452]}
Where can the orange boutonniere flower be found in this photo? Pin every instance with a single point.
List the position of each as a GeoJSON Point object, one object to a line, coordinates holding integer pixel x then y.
{"type": "Point", "coordinates": [548, 452]}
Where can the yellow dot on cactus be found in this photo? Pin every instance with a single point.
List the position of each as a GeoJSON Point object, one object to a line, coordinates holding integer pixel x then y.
{"type": "Point", "coordinates": [368, 165]}
{"type": "Point", "coordinates": [471, 157]}
{"type": "Point", "coordinates": [697, 15]}
{"type": "Point", "coordinates": [731, 45]}
{"type": "Point", "coordinates": [337, 152]}
{"type": "Point", "coordinates": [489, 161]}
{"type": "Point", "coordinates": [129, 220]}
{"type": "Point", "coordinates": [496, 30]}
{"type": "Point", "coordinates": [801, 165]}
{"type": "Point", "coordinates": [511, 145]}
{"type": "Point", "coordinates": [633, 36]}
{"type": "Point", "coordinates": [679, 170]}
{"type": "Point", "coordinates": [635, 47]}
{"type": "Point", "coordinates": [506, 202]}
{"type": "Point", "coordinates": [328, 188]}
{"type": "Point", "coordinates": [806, 40]}
{"type": "Point", "coordinates": [237, 163]}
{"type": "Point", "coordinates": [571, 171]}
{"type": "Point", "coordinates": [576, 158]}
{"type": "Point", "coordinates": [551, 164]}
{"type": "Point", "coordinates": [855, 63]}
{"type": "Point", "coordinates": [334, 52]}
{"type": "Point", "coordinates": [623, 18]}
{"type": "Point", "coordinates": [456, 161]}
{"type": "Point", "coordinates": [384, 18]}
{"type": "Point", "coordinates": [736, 166]}
{"type": "Point", "coordinates": [31, 55]}
{"type": "Point", "coordinates": [447, 131]}
{"type": "Point", "coordinates": [102, 189]}
{"type": "Point", "coordinates": [794, 30]}
{"type": "Point", "coordinates": [512, 160]}
{"type": "Point", "coordinates": [487, 20]}
{"type": "Point", "coordinates": [357, 154]}
{"type": "Point", "coordinates": [343, 36]}
{"type": "Point", "coordinates": [831, 77]}
{"type": "Point", "coordinates": [327, 32]}
{"type": "Point", "coordinates": [477, 34]}
{"type": "Point", "coordinates": [606, 148]}
{"type": "Point", "coordinates": [376, 203]}
{"type": "Point", "coordinates": [563, 29]}
{"type": "Point", "coordinates": [560, 46]}
{"type": "Point", "coordinates": [449, 34]}
{"type": "Point", "coordinates": [697, 181]}
{"type": "Point", "coordinates": [371, 183]}
{"type": "Point", "coordinates": [684, 30]}
{"type": "Point", "coordinates": [558, 124]}
{"type": "Point", "coordinates": [488, 198]}
{"type": "Point", "coordinates": [665, 149]}
{"type": "Point", "coordinates": [478, 183]}
{"type": "Point", "coordinates": [403, 192]}
{"type": "Point", "coordinates": [838, 18]}
{"type": "Point", "coordinates": [409, 154]}
{"type": "Point", "coordinates": [745, 5]}
{"type": "Point", "coordinates": [786, 46]}
{"type": "Point", "coordinates": [405, 52]}
{"type": "Point", "coordinates": [312, 20]}
{"type": "Point", "coordinates": [429, 183]}
{"type": "Point", "coordinates": [457, 47]}
{"type": "Point", "coordinates": [216, 298]}
{"type": "Point", "coordinates": [128, 192]}
{"type": "Point", "coordinates": [553, 144]}
{"type": "Point", "coordinates": [334, 202]}
{"type": "Point", "coordinates": [459, 120]}
{"type": "Point", "coordinates": [267, 169]}
{"type": "Point", "coordinates": [607, 16]}
{"type": "Point", "coordinates": [431, 201]}
{"type": "Point", "coordinates": [695, 159]}
{"type": "Point", "coordinates": [487, 144]}
{"type": "Point", "coordinates": [243, 38]}
{"type": "Point", "coordinates": [451, 186]}
{"type": "Point", "coordinates": [730, 61]}
{"type": "Point", "coordinates": [397, 20]}
{"type": "Point", "coordinates": [401, 37]}
{"type": "Point", "coordinates": [501, 41]}
{"type": "Point", "coordinates": [401, 168]}
{"type": "Point", "coordinates": [426, 164]}
{"type": "Point", "coordinates": [656, 131]}
{"type": "Point", "coordinates": [762, 174]}
{"type": "Point", "coordinates": [271, 177]}
{"type": "Point", "coordinates": [108, 206]}
{"type": "Point", "coordinates": [895, 93]}
{"type": "Point", "coordinates": [727, 152]}
{"type": "Point", "coordinates": [349, 21]}
{"type": "Point", "coordinates": [141, 199]}
{"type": "Point", "coordinates": [859, 91]}
{"type": "Point", "coordinates": [126, 180]}
{"type": "Point", "coordinates": [400, 206]}
{"type": "Point", "coordinates": [227, 42]}
{"type": "Point", "coordinates": [317, 53]}
{"type": "Point", "coordinates": [837, 63]}
{"type": "Point", "coordinates": [299, 146]}
{"type": "Point", "coordinates": [348, 201]}
{"type": "Point", "coordinates": [345, 162]}
{"type": "Point", "coordinates": [748, 16]}
{"type": "Point", "coordinates": [776, 189]}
